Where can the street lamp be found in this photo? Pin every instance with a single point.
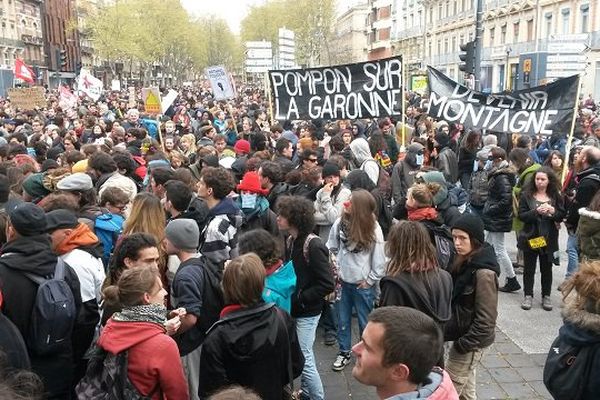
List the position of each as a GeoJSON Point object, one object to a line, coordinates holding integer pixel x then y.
{"type": "Point", "coordinates": [507, 68]}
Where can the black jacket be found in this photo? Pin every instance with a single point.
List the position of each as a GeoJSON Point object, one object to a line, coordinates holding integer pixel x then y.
{"type": "Point", "coordinates": [429, 292]}
{"type": "Point", "coordinates": [314, 279]}
{"type": "Point", "coordinates": [588, 183]}
{"type": "Point", "coordinates": [279, 189]}
{"type": "Point", "coordinates": [198, 211]}
{"type": "Point", "coordinates": [474, 302]}
{"type": "Point", "coordinates": [466, 159]}
{"type": "Point", "coordinates": [285, 163]}
{"type": "Point", "coordinates": [536, 225]}
{"type": "Point", "coordinates": [497, 212]}
{"type": "Point", "coordinates": [254, 347]}
{"type": "Point", "coordinates": [34, 254]}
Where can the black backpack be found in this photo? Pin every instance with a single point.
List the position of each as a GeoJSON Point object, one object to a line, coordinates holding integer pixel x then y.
{"type": "Point", "coordinates": [106, 378]}
{"type": "Point", "coordinates": [53, 314]}
{"type": "Point", "coordinates": [568, 370]}
{"type": "Point", "coordinates": [444, 244]}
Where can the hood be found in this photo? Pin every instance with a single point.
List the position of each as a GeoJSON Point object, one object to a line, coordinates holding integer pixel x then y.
{"type": "Point", "coordinates": [358, 179]}
{"type": "Point", "coordinates": [529, 170]}
{"type": "Point", "coordinates": [31, 254]}
{"type": "Point", "coordinates": [592, 170]}
{"type": "Point", "coordinates": [249, 332]}
{"type": "Point", "coordinates": [589, 222]}
{"type": "Point", "coordinates": [505, 169]}
{"type": "Point", "coordinates": [118, 336]}
{"type": "Point", "coordinates": [437, 381]}
{"type": "Point", "coordinates": [198, 211]}
{"type": "Point", "coordinates": [584, 326]}
{"type": "Point", "coordinates": [261, 206]}
{"type": "Point", "coordinates": [435, 304]}
{"type": "Point", "coordinates": [486, 259]}
{"type": "Point", "coordinates": [437, 177]}
{"type": "Point", "coordinates": [411, 154]}
{"type": "Point", "coordinates": [360, 132]}
{"type": "Point", "coordinates": [81, 236]}
{"type": "Point", "coordinates": [360, 150]}
{"type": "Point", "coordinates": [225, 206]}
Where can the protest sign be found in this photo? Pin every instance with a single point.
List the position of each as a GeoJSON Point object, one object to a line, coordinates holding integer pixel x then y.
{"type": "Point", "coordinates": [66, 100]}
{"type": "Point", "coordinates": [169, 99]}
{"type": "Point", "coordinates": [419, 84]}
{"type": "Point", "coordinates": [28, 98]}
{"type": "Point", "coordinates": [220, 82]}
{"type": "Point", "coordinates": [539, 110]}
{"type": "Point", "coordinates": [351, 91]}
{"type": "Point", "coordinates": [89, 85]}
{"type": "Point", "coordinates": [151, 97]}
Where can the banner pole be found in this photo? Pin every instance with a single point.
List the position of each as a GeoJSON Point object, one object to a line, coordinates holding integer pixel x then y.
{"type": "Point", "coordinates": [403, 147]}
{"type": "Point", "coordinates": [570, 138]}
{"type": "Point", "coordinates": [160, 135]}
{"type": "Point", "coordinates": [270, 100]}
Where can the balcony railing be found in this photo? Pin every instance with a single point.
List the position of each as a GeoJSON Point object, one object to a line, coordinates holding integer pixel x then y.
{"type": "Point", "coordinates": [410, 32]}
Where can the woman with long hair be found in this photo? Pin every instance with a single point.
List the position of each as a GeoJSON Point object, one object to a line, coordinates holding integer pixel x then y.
{"type": "Point", "coordinates": [250, 335]}
{"type": "Point", "coordinates": [581, 329]}
{"type": "Point", "coordinates": [187, 144]}
{"type": "Point", "coordinates": [541, 207]}
{"type": "Point", "coordinates": [153, 364]}
{"type": "Point", "coordinates": [466, 157]}
{"type": "Point", "coordinates": [147, 215]}
{"type": "Point", "coordinates": [472, 326]}
{"type": "Point", "coordinates": [413, 277]}
{"type": "Point", "coordinates": [358, 244]}
{"type": "Point", "coordinates": [555, 160]}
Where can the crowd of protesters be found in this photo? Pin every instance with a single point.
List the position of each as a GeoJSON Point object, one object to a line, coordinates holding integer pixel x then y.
{"type": "Point", "coordinates": [197, 252]}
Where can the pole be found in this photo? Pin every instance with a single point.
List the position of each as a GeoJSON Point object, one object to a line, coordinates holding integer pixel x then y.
{"type": "Point", "coordinates": [269, 98]}
{"type": "Point", "coordinates": [403, 116]}
{"type": "Point", "coordinates": [570, 138]}
{"type": "Point", "coordinates": [478, 43]}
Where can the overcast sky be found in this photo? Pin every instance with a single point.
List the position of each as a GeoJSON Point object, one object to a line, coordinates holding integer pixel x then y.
{"type": "Point", "coordinates": [233, 11]}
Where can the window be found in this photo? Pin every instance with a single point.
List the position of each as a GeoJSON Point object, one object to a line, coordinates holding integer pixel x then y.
{"type": "Point", "coordinates": [455, 8]}
{"type": "Point", "coordinates": [463, 5]}
{"type": "Point", "coordinates": [439, 46]}
{"type": "Point", "coordinates": [548, 19]}
{"type": "Point", "coordinates": [440, 10]}
{"type": "Point", "coordinates": [565, 15]}
{"type": "Point", "coordinates": [447, 8]}
{"type": "Point", "coordinates": [530, 30]}
{"type": "Point", "coordinates": [431, 15]}
{"type": "Point", "coordinates": [461, 40]}
{"type": "Point", "coordinates": [492, 34]}
{"type": "Point", "coordinates": [503, 34]}
{"type": "Point", "coordinates": [446, 51]}
{"type": "Point", "coordinates": [430, 49]}
{"type": "Point", "coordinates": [454, 48]}
{"type": "Point", "coordinates": [516, 27]}
{"type": "Point", "coordinates": [585, 17]}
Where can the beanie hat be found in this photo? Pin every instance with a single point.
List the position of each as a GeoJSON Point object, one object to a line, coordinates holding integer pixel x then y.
{"type": "Point", "coordinates": [242, 147]}
{"type": "Point", "coordinates": [205, 129]}
{"type": "Point", "coordinates": [80, 166]}
{"type": "Point", "coordinates": [251, 183]}
{"type": "Point", "coordinates": [442, 139]}
{"type": "Point", "coordinates": [60, 219]}
{"type": "Point", "coordinates": [472, 225]}
{"type": "Point", "coordinates": [415, 148]}
{"type": "Point", "coordinates": [33, 185]}
{"type": "Point", "coordinates": [27, 219]}
{"type": "Point", "coordinates": [49, 164]}
{"type": "Point", "coordinates": [437, 177]}
{"type": "Point", "coordinates": [483, 154]}
{"type": "Point", "coordinates": [183, 233]}
{"type": "Point", "coordinates": [330, 169]}
{"type": "Point", "coordinates": [76, 182]}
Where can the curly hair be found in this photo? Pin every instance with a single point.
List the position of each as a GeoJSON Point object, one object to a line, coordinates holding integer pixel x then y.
{"type": "Point", "coordinates": [262, 243]}
{"type": "Point", "coordinates": [586, 284]}
{"type": "Point", "coordinates": [299, 213]}
{"type": "Point", "coordinates": [219, 180]}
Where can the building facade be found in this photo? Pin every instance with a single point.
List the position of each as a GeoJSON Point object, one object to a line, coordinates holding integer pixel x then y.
{"type": "Point", "coordinates": [429, 32]}
{"type": "Point", "coordinates": [379, 29]}
{"type": "Point", "coordinates": [350, 40]}
{"type": "Point", "coordinates": [61, 35]}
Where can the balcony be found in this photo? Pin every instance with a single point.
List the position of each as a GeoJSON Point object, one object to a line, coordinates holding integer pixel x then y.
{"type": "Point", "coordinates": [7, 42]}
{"type": "Point", "coordinates": [30, 39]}
{"type": "Point", "coordinates": [410, 32]}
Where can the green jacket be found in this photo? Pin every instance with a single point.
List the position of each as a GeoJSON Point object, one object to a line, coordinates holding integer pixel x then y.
{"type": "Point", "coordinates": [521, 182]}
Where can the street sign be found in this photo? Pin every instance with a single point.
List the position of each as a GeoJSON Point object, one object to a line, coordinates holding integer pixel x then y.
{"type": "Point", "coordinates": [577, 58]}
{"type": "Point", "coordinates": [560, 73]}
{"type": "Point", "coordinates": [571, 66]}
{"type": "Point", "coordinates": [572, 37]}
{"type": "Point", "coordinates": [567, 47]}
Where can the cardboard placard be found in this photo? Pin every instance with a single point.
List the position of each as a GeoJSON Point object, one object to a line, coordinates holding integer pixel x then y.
{"type": "Point", "coordinates": [28, 98]}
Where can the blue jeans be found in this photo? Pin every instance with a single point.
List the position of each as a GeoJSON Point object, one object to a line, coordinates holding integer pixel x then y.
{"type": "Point", "coordinates": [362, 300]}
{"type": "Point", "coordinates": [311, 384]}
{"type": "Point", "coordinates": [329, 318]}
{"type": "Point", "coordinates": [572, 255]}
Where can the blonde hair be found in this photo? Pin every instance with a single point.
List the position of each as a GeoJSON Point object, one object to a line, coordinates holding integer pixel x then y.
{"type": "Point", "coordinates": [131, 287]}
{"type": "Point", "coordinates": [146, 216]}
{"type": "Point", "coordinates": [191, 139]}
{"type": "Point", "coordinates": [423, 193]}
{"type": "Point", "coordinates": [586, 283]}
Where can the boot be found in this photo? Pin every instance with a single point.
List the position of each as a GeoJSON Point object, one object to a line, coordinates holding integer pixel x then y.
{"type": "Point", "coordinates": [526, 304]}
{"type": "Point", "coordinates": [546, 303]}
{"type": "Point", "coordinates": [511, 285]}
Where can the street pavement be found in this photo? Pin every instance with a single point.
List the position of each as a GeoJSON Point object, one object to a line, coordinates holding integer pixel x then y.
{"type": "Point", "coordinates": [512, 367]}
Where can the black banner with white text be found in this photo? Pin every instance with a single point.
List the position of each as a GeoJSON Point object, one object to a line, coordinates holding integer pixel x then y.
{"type": "Point", "coordinates": [539, 110]}
{"type": "Point", "coordinates": [351, 91]}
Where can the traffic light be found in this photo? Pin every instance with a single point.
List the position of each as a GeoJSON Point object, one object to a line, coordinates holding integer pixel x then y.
{"type": "Point", "coordinates": [467, 57]}
{"type": "Point", "coordinates": [63, 59]}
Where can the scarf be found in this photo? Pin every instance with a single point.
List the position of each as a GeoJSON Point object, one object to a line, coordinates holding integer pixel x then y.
{"type": "Point", "coordinates": [156, 313]}
{"type": "Point", "coordinates": [345, 239]}
{"type": "Point", "coordinates": [421, 214]}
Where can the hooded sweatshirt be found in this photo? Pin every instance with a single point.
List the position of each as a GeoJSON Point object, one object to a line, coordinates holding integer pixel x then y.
{"type": "Point", "coordinates": [220, 235]}
{"type": "Point", "coordinates": [439, 387]}
{"type": "Point", "coordinates": [366, 162]}
{"type": "Point", "coordinates": [404, 172]}
{"type": "Point", "coordinates": [153, 357]}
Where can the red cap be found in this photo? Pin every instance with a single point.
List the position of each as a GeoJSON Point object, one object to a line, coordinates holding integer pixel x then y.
{"type": "Point", "coordinates": [242, 147]}
{"type": "Point", "coordinates": [251, 183]}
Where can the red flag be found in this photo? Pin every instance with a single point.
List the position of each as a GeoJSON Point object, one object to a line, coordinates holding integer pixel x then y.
{"type": "Point", "coordinates": [23, 71]}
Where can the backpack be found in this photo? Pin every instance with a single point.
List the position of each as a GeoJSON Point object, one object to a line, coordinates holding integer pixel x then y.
{"type": "Point", "coordinates": [384, 182]}
{"type": "Point", "coordinates": [212, 293]}
{"type": "Point", "coordinates": [108, 227]}
{"type": "Point", "coordinates": [53, 314]}
{"type": "Point", "coordinates": [106, 378]}
{"type": "Point", "coordinates": [444, 244]}
{"type": "Point", "coordinates": [384, 161]}
{"type": "Point", "coordinates": [568, 370]}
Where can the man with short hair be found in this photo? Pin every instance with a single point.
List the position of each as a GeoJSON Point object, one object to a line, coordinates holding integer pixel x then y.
{"type": "Point", "coordinates": [270, 176]}
{"type": "Point", "coordinates": [219, 239]}
{"type": "Point", "coordinates": [181, 202]}
{"type": "Point", "coordinates": [138, 250]}
{"type": "Point", "coordinates": [29, 250]}
{"type": "Point", "coordinates": [397, 355]}
{"type": "Point", "coordinates": [158, 178]}
{"type": "Point", "coordinates": [284, 151]}
{"type": "Point", "coordinates": [105, 171]}
{"type": "Point", "coordinates": [188, 292]}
